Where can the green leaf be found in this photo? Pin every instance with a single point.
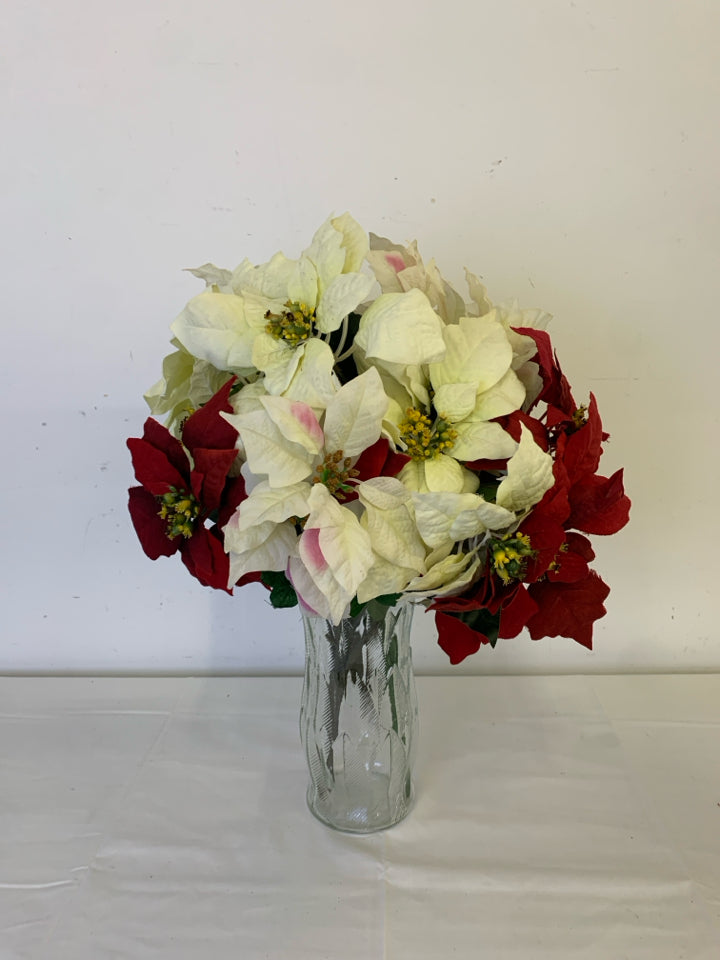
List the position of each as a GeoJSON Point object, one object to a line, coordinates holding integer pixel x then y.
{"type": "Point", "coordinates": [282, 592]}
{"type": "Point", "coordinates": [356, 608]}
{"type": "Point", "coordinates": [388, 599]}
{"type": "Point", "coordinates": [482, 621]}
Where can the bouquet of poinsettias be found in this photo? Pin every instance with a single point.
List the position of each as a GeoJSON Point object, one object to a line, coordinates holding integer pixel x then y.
{"type": "Point", "coordinates": [344, 427]}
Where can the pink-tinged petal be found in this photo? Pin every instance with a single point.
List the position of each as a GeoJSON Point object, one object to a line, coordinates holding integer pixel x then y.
{"type": "Point", "coordinates": [395, 261]}
{"type": "Point", "coordinates": [305, 416]}
{"type": "Point", "coordinates": [311, 551]}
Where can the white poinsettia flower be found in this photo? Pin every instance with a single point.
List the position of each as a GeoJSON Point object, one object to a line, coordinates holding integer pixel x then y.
{"type": "Point", "coordinates": [262, 317]}
{"type": "Point", "coordinates": [449, 418]}
{"type": "Point", "coordinates": [293, 451]}
{"type": "Point", "coordinates": [283, 439]}
{"type": "Point", "coordinates": [321, 289]}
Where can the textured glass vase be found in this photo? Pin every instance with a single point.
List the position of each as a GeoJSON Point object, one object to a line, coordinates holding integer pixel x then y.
{"type": "Point", "coordinates": [358, 718]}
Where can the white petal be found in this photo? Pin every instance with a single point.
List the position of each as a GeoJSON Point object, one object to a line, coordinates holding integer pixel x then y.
{"type": "Point", "coordinates": [269, 280]}
{"type": "Point", "coordinates": [266, 503]}
{"type": "Point", "coordinates": [314, 381]}
{"type": "Point", "coordinates": [297, 422]}
{"type": "Point", "coordinates": [448, 576]}
{"type": "Point", "coordinates": [264, 547]}
{"type": "Point", "coordinates": [268, 451]}
{"type": "Point", "coordinates": [354, 416]}
{"type": "Point", "coordinates": [392, 528]}
{"type": "Point", "coordinates": [454, 401]}
{"type": "Point", "coordinates": [213, 325]}
{"type": "Point", "coordinates": [327, 254]}
{"type": "Point", "coordinates": [341, 297]}
{"type": "Point", "coordinates": [444, 473]}
{"type": "Point", "coordinates": [385, 493]}
{"type": "Point", "coordinates": [384, 577]}
{"type": "Point", "coordinates": [529, 475]}
{"type": "Point", "coordinates": [211, 274]}
{"type": "Point", "coordinates": [480, 440]}
{"type": "Point", "coordinates": [436, 513]}
{"type": "Point", "coordinates": [355, 241]}
{"type": "Point", "coordinates": [401, 328]}
{"type": "Point", "coordinates": [303, 284]}
{"type": "Point", "coordinates": [478, 351]}
{"type": "Point", "coordinates": [345, 546]}
{"type": "Point", "coordinates": [310, 595]}
{"type": "Point", "coordinates": [478, 293]}
{"type": "Point", "coordinates": [278, 361]}
{"type": "Point", "coordinates": [504, 397]}
{"type": "Point", "coordinates": [529, 375]}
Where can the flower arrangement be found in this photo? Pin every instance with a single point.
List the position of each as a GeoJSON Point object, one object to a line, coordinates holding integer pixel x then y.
{"type": "Point", "coordinates": [345, 428]}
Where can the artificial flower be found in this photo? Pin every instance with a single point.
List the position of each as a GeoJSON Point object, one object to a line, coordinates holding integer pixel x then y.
{"type": "Point", "coordinates": [348, 446]}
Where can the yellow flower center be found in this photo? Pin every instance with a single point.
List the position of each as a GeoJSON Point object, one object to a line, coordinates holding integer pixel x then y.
{"type": "Point", "coordinates": [580, 416]}
{"type": "Point", "coordinates": [509, 556]}
{"type": "Point", "coordinates": [180, 510]}
{"type": "Point", "coordinates": [334, 472]}
{"type": "Point", "coordinates": [423, 438]}
{"type": "Point", "coordinates": [294, 325]}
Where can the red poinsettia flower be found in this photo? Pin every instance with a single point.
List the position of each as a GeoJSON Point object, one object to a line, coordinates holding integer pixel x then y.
{"type": "Point", "coordinates": [182, 484]}
{"type": "Point", "coordinates": [556, 593]}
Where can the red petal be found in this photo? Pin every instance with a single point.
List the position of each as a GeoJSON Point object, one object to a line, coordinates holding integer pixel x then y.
{"type": "Point", "coordinates": [545, 528]}
{"type": "Point", "coordinates": [572, 564]}
{"type": "Point", "coordinates": [568, 609]}
{"type": "Point", "coordinates": [513, 423]}
{"type": "Point", "coordinates": [153, 468]}
{"type": "Point", "coordinates": [580, 545]}
{"type": "Point", "coordinates": [210, 474]}
{"type": "Point", "coordinates": [206, 428]}
{"type": "Point", "coordinates": [556, 389]}
{"type": "Point", "coordinates": [570, 568]}
{"type": "Point", "coordinates": [160, 437]}
{"type": "Point", "coordinates": [584, 447]}
{"type": "Point", "coordinates": [456, 638]}
{"type": "Point", "coordinates": [599, 504]}
{"type": "Point", "coordinates": [516, 614]}
{"type": "Point", "coordinates": [206, 560]}
{"type": "Point", "coordinates": [151, 530]}
{"type": "Point", "coordinates": [378, 460]}
{"type": "Point", "coordinates": [546, 537]}
{"type": "Point", "coordinates": [255, 577]}
{"type": "Point", "coordinates": [232, 497]}
{"type": "Point", "coordinates": [370, 462]}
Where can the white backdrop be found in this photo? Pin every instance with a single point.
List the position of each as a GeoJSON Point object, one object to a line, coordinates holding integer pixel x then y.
{"type": "Point", "coordinates": [566, 151]}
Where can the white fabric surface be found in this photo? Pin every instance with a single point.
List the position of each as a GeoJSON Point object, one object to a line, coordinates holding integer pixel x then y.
{"type": "Point", "coordinates": [556, 817]}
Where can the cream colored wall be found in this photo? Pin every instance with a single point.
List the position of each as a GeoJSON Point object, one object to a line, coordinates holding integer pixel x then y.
{"type": "Point", "coordinates": [566, 151]}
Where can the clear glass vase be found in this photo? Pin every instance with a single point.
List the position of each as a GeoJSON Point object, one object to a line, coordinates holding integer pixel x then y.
{"type": "Point", "coordinates": [358, 718]}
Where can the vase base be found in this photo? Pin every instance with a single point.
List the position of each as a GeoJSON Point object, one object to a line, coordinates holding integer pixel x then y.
{"type": "Point", "coordinates": [359, 819]}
